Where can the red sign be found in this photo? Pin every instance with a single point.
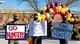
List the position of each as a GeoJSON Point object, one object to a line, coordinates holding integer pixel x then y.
{"type": "Point", "coordinates": [15, 31]}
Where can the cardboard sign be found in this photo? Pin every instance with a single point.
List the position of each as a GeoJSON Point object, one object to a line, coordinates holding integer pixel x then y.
{"type": "Point", "coordinates": [15, 32]}
{"type": "Point", "coordinates": [62, 30]}
{"type": "Point", "coordinates": [38, 28]}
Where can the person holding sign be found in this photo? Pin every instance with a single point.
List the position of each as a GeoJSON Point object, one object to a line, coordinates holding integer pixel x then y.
{"type": "Point", "coordinates": [63, 41]}
{"type": "Point", "coordinates": [15, 19]}
{"type": "Point", "coordinates": [36, 39]}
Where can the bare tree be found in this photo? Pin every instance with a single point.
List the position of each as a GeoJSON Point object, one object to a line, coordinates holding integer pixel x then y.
{"type": "Point", "coordinates": [32, 3]}
{"type": "Point", "coordinates": [35, 6]}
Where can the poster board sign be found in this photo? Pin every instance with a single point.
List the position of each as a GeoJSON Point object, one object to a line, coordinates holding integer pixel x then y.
{"type": "Point", "coordinates": [62, 30]}
{"type": "Point", "coordinates": [15, 31]}
{"type": "Point", "coordinates": [38, 28]}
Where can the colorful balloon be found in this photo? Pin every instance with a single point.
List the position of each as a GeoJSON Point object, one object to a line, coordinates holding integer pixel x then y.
{"type": "Point", "coordinates": [48, 5]}
{"type": "Point", "coordinates": [38, 14]}
{"type": "Point", "coordinates": [62, 10]}
{"type": "Point", "coordinates": [59, 8]}
{"type": "Point", "coordinates": [39, 18]}
{"type": "Point", "coordinates": [68, 18]}
{"type": "Point", "coordinates": [51, 10]}
{"type": "Point", "coordinates": [56, 10]}
{"type": "Point", "coordinates": [69, 15]}
{"type": "Point", "coordinates": [66, 8]}
{"type": "Point", "coordinates": [51, 3]}
{"type": "Point", "coordinates": [42, 17]}
{"type": "Point", "coordinates": [71, 19]}
{"type": "Point", "coordinates": [47, 15]}
{"type": "Point", "coordinates": [44, 8]}
{"type": "Point", "coordinates": [66, 13]}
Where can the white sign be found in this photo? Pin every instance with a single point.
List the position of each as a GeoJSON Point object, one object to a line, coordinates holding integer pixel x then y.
{"type": "Point", "coordinates": [38, 28]}
{"type": "Point", "coordinates": [62, 30]}
{"type": "Point", "coordinates": [17, 31]}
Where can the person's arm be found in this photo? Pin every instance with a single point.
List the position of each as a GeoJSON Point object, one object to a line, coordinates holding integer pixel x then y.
{"type": "Point", "coordinates": [27, 29]}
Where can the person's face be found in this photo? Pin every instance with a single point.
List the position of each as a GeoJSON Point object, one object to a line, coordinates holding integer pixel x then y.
{"type": "Point", "coordinates": [64, 18]}
{"type": "Point", "coordinates": [16, 18]}
{"type": "Point", "coordinates": [35, 18]}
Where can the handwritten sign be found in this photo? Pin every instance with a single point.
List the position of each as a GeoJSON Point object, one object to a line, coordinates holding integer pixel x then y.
{"type": "Point", "coordinates": [15, 32]}
{"type": "Point", "coordinates": [38, 28]}
{"type": "Point", "coordinates": [62, 30]}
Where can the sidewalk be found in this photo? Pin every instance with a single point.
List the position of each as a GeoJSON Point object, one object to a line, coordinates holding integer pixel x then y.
{"type": "Point", "coordinates": [45, 41]}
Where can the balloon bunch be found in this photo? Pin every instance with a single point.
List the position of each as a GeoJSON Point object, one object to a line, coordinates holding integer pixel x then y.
{"type": "Point", "coordinates": [55, 8]}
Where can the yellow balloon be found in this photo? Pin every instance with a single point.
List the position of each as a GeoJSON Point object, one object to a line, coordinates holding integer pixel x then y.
{"type": "Point", "coordinates": [62, 10]}
{"type": "Point", "coordinates": [66, 8]}
{"type": "Point", "coordinates": [42, 16]}
{"type": "Point", "coordinates": [44, 8]}
{"type": "Point", "coordinates": [69, 15]}
{"type": "Point", "coordinates": [47, 15]}
{"type": "Point", "coordinates": [71, 19]}
{"type": "Point", "coordinates": [39, 18]}
{"type": "Point", "coordinates": [51, 10]}
{"type": "Point", "coordinates": [68, 18]}
{"type": "Point", "coordinates": [38, 14]}
{"type": "Point", "coordinates": [59, 8]}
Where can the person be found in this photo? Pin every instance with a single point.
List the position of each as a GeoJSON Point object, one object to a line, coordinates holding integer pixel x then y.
{"type": "Point", "coordinates": [63, 41]}
{"type": "Point", "coordinates": [36, 39]}
{"type": "Point", "coordinates": [75, 29]}
{"type": "Point", "coordinates": [49, 26]}
{"type": "Point", "coordinates": [15, 19]}
{"type": "Point", "coordinates": [78, 35]}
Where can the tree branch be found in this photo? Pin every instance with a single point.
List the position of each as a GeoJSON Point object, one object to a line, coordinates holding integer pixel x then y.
{"type": "Point", "coordinates": [35, 4]}
{"type": "Point", "coordinates": [31, 4]}
{"type": "Point", "coordinates": [70, 2]}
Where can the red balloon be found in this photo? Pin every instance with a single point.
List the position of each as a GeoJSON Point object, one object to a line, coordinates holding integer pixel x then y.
{"type": "Point", "coordinates": [48, 5]}
{"type": "Point", "coordinates": [55, 8]}
{"type": "Point", "coordinates": [66, 13]}
{"type": "Point", "coordinates": [57, 11]}
{"type": "Point", "coordinates": [51, 3]}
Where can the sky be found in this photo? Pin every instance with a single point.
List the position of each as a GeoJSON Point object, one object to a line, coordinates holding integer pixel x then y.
{"type": "Point", "coordinates": [16, 4]}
